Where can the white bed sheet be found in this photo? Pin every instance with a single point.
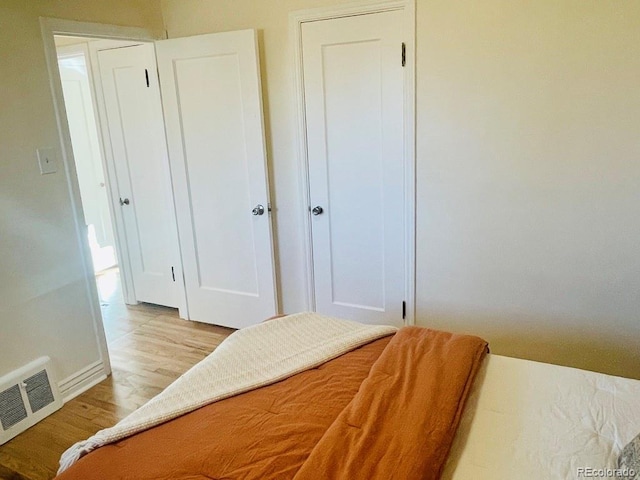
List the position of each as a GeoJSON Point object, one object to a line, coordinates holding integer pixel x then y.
{"type": "Point", "coordinates": [530, 420]}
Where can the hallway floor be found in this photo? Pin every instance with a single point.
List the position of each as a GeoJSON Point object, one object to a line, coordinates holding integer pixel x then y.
{"type": "Point", "coordinates": [118, 318]}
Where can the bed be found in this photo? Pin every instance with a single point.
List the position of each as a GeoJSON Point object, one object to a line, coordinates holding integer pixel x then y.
{"type": "Point", "coordinates": [410, 404]}
{"type": "Point", "coordinates": [531, 420]}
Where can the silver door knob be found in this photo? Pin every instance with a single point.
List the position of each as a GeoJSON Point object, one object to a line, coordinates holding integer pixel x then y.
{"type": "Point", "coordinates": [258, 210]}
{"type": "Point", "coordinates": [317, 210]}
{"type": "Point", "coordinates": [124, 202]}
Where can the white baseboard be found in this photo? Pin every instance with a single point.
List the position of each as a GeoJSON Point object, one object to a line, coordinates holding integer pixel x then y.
{"type": "Point", "coordinates": [82, 381]}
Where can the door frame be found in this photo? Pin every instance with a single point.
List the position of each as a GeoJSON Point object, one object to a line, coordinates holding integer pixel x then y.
{"type": "Point", "coordinates": [296, 20]}
{"type": "Point", "coordinates": [49, 27]}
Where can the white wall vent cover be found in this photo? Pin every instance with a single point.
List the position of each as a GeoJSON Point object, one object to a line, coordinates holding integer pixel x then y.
{"type": "Point", "coordinates": [27, 395]}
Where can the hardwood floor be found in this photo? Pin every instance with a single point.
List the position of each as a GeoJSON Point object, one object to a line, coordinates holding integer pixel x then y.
{"type": "Point", "coordinates": [149, 347]}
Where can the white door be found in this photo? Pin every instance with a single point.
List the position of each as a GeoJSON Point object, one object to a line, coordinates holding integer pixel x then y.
{"type": "Point", "coordinates": [76, 86]}
{"type": "Point", "coordinates": [138, 147]}
{"type": "Point", "coordinates": [354, 106]}
{"type": "Point", "coordinates": [213, 112]}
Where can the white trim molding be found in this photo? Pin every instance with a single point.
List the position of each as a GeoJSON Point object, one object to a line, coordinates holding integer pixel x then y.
{"type": "Point", "coordinates": [60, 26]}
{"type": "Point", "coordinates": [296, 19]}
{"type": "Point", "coordinates": [82, 381]}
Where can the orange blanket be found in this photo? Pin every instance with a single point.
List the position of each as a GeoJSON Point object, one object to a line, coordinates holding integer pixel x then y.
{"type": "Point", "coordinates": [403, 419]}
{"type": "Point", "coordinates": [386, 410]}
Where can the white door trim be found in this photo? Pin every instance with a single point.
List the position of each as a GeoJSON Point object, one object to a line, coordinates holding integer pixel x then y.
{"type": "Point", "coordinates": [48, 28]}
{"type": "Point", "coordinates": [296, 19]}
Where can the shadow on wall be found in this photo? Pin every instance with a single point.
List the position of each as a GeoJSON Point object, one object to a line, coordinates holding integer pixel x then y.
{"type": "Point", "coordinates": [589, 344]}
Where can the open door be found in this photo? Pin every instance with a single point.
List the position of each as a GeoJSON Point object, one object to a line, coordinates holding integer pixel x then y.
{"type": "Point", "coordinates": [211, 95]}
{"type": "Point", "coordinates": [138, 149]}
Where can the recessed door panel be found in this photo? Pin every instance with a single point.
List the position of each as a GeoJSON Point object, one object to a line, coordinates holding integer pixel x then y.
{"type": "Point", "coordinates": [354, 173]}
{"type": "Point", "coordinates": [218, 180]}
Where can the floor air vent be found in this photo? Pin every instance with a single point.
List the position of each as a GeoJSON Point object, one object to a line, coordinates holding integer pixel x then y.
{"type": "Point", "coordinates": [27, 395]}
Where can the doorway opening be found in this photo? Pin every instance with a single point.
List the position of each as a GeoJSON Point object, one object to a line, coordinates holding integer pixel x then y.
{"type": "Point", "coordinates": [168, 210]}
{"type": "Point", "coordinates": [74, 65]}
{"type": "Point", "coordinates": [78, 65]}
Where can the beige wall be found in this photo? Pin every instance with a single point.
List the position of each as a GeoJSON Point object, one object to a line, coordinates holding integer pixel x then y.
{"type": "Point", "coordinates": [529, 177]}
{"type": "Point", "coordinates": [44, 303]}
{"type": "Point", "coordinates": [528, 174]}
{"type": "Point", "coordinates": [528, 168]}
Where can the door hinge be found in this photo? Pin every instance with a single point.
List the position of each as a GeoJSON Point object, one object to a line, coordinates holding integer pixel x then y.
{"type": "Point", "coordinates": [173, 274]}
{"type": "Point", "coordinates": [146, 76]}
{"type": "Point", "coordinates": [404, 309]}
{"type": "Point", "coordinates": [404, 54]}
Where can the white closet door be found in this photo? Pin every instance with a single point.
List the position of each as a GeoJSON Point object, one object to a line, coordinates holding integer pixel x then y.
{"type": "Point", "coordinates": [213, 112]}
{"type": "Point", "coordinates": [138, 146]}
{"type": "Point", "coordinates": [353, 87]}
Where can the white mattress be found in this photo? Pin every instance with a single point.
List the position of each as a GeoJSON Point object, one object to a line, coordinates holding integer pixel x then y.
{"type": "Point", "coordinates": [529, 420]}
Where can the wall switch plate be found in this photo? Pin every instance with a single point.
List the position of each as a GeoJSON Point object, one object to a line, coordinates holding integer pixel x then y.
{"type": "Point", "coordinates": [48, 160]}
